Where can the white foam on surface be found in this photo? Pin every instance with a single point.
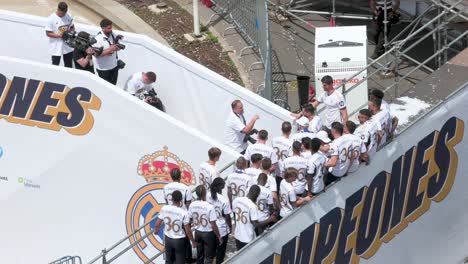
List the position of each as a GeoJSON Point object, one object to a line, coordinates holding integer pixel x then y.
{"type": "Point", "coordinates": [406, 107]}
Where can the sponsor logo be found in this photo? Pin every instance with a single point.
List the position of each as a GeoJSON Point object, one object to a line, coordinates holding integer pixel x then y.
{"type": "Point", "coordinates": [47, 105]}
{"type": "Point", "coordinates": [3, 178]}
{"type": "Point", "coordinates": [147, 201]}
{"type": "Point", "coordinates": [28, 183]}
{"type": "Point", "coordinates": [377, 213]}
{"type": "Point", "coordinates": [340, 81]}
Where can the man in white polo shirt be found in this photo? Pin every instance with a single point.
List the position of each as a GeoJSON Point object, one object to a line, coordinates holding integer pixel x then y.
{"type": "Point", "coordinates": [334, 103]}
{"type": "Point", "coordinates": [106, 62]}
{"type": "Point", "coordinates": [57, 23]}
{"type": "Point", "coordinates": [237, 128]}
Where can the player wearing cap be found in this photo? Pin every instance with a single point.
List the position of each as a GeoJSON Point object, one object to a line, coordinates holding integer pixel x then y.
{"type": "Point", "coordinates": [223, 214]}
{"type": "Point", "coordinates": [334, 103]}
{"type": "Point", "coordinates": [382, 117]}
{"type": "Point", "coordinates": [288, 199]}
{"type": "Point", "coordinates": [254, 170]}
{"type": "Point", "coordinates": [238, 182]}
{"type": "Point", "coordinates": [357, 150]}
{"type": "Point", "coordinates": [207, 171]}
{"type": "Point", "coordinates": [303, 125]}
{"type": "Point", "coordinates": [368, 131]}
{"type": "Point", "coordinates": [261, 148]}
{"type": "Point", "coordinates": [264, 201]}
{"type": "Point", "coordinates": [339, 161]}
{"type": "Point", "coordinates": [315, 167]}
{"type": "Point", "coordinates": [204, 218]}
{"type": "Point", "coordinates": [175, 185]}
{"type": "Point", "coordinates": [300, 164]}
{"type": "Point", "coordinates": [176, 226]}
{"type": "Point", "coordinates": [325, 143]}
{"type": "Point", "coordinates": [246, 217]}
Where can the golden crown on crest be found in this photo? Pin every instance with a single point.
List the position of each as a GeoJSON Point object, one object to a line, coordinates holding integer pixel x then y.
{"type": "Point", "coordinates": [156, 167]}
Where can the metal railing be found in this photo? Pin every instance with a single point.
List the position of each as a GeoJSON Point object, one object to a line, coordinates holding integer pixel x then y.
{"type": "Point", "coordinates": [106, 251]}
{"type": "Point", "coordinates": [67, 260]}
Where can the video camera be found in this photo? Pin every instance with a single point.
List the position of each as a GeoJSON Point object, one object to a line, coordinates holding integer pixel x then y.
{"type": "Point", "coordinates": [80, 41]}
{"type": "Point", "coordinates": [120, 63]}
{"type": "Point", "coordinates": [248, 137]}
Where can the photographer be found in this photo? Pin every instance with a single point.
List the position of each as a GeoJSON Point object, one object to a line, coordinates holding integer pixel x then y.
{"type": "Point", "coordinates": [84, 58]}
{"type": "Point", "coordinates": [107, 63]}
{"type": "Point", "coordinates": [57, 24]}
{"type": "Point", "coordinates": [140, 85]}
{"type": "Point", "coordinates": [237, 130]}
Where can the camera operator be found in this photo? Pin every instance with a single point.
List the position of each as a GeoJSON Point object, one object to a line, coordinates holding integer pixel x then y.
{"type": "Point", "coordinates": [238, 131]}
{"type": "Point", "coordinates": [378, 25]}
{"type": "Point", "coordinates": [84, 58]}
{"type": "Point", "coordinates": [57, 23]}
{"type": "Point", "coordinates": [107, 63]}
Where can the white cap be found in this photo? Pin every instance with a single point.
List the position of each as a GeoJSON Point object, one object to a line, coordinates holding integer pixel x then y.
{"type": "Point", "coordinates": [322, 135]}
{"type": "Point", "coordinates": [303, 121]}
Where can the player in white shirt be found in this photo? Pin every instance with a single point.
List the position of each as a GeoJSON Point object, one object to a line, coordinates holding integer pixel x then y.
{"type": "Point", "coordinates": [357, 151]}
{"type": "Point", "coordinates": [282, 144]}
{"type": "Point", "coordinates": [334, 103]}
{"type": "Point", "coordinates": [302, 131]}
{"type": "Point", "coordinates": [57, 23]}
{"type": "Point", "coordinates": [255, 164]}
{"type": "Point", "coordinates": [376, 93]}
{"type": "Point", "coordinates": [139, 84]}
{"type": "Point", "coordinates": [264, 202]}
{"type": "Point", "coordinates": [339, 161]}
{"type": "Point", "coordinates": [238, 182]}
{"type": "Point", "coordinates": [315, 122]}
{"type": "Point", "coordinates": [207, 171]}
{"type": "Point", "coordinates": [223, 213]}
{"type": "Point", "coordinates": [368, 131]}
{"type": "Point", "coordinates": [288, 199]}
{"type": "Point", "coordinates": [382, 118]}
{"type": "Point", "coordinates": [204, 218]}
{"type": "Point", "coordinates": [306, 151]}
{"type": "Point", "coordinates": [176, 227]}
{"type": "Point", "coordinates": [175, 185]}
{"type": "Point", "coordinates": [261, 147]}
{"type": "Point", "coordinates": [272, 183]}
{"type": "Point", "coordinates": [237, 128]}
{"type": "Point", "coordinates": [300, 164]}
{"type": "Point", "coordinates": [246, 216]}
{"type": "Point", "coordinates": [315, 167]}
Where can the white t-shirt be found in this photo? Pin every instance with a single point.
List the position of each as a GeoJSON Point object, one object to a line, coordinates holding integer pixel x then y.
{"type": "Point", "coordinates": [315, 125]}
{"type": "Point", "coordinates": [107, 62]}
{"type": "Point", "coordinates": [368, 132]}
{"type": "Point", "coordinates": [386, 107]}
{"type": "Point", "coordinates": [234, 136]}
{"type": "Point", "coordinates": [245, 212]}
{"type": "Point", "coordinates": [253, 174]}
{"type": "Point", "coordinates": [300, 164]}
{"type": "Point", "coordinates": [202, 213]}
{"type": "Point", "coordinates": [300, 135]}
{"type": "Point", "coordinates": [239, 182]}
{"type": "Point", "coordinates": [263, 201]}
{"type": "Point", "coordinates": [383, 122]}
{"type": "Point", "coordinates": [281, 146]}
{"type": "Point", "coordinates": [287, 197]}
{"type": "Point", "coordinates": [315, 167]}
{"type": "Point", "coordinates": [263, 149]}
{"type": "Point", "coordinates": [174, 219]}
{"type": "Point", "coordinates": [206, 174]}
{"type": "Point", "coordinates": [271, 183]}
{"type": "Point", "coordinates": [339, 147]}
{"type": "Point", "coordinates": [177, 186]}
{"type": "Point", "coordinates": [136, 86]}
{"type": "Point", "coordinates": [306, 154]}
{"type": "Point", "coordinates": [333, 103]}
{"type": "Point", "coordinates": [58, 25]}
{"type": "Point", "coordinates": [222, 208]}
{"type": "Point", "coordinates": [356, 148]}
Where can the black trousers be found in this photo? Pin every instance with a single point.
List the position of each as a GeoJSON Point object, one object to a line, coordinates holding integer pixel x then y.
{"type": "Point", "coordinates": [175, 250]}
{"type": "Point", "coordinates": [206, 248]}
{"type": "Point", "coordinates": [221, 250]}
{"type": "Point", "coordinates": [109, 75]}
{"type": "Point", "coordinates": [378, 32]}
{"type": "Point", "coordinates": [240, 245]}
{"type": "Point", "coordinates": [331, 178]}
{"type": "Point", "coordinates": [67, 60]}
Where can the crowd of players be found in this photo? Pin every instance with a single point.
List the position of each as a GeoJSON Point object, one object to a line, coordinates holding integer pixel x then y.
{"type": "Point", "coordinates": [271, 179]}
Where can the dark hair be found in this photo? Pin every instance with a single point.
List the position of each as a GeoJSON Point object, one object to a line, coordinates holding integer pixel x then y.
{"type": "Point", "coordinates": [262, 179]}
{"type": "Point", "coordinates": [351, 126]}
{"type": "Point", "coordinates": [151, 76]}
{"type": "Point", "coordinates": [315, 144]}
{"type": "Point", "coordinates": [241, 163]}
{"type": "Point", "coordinates": [377, 102]}
{"type": "Point", "coordinates": [83, 35]}
{"type": "Point", "coordinates": [289, 172]}
{"type": "Point", "coordinates": [306, 142]}
{"type": "Point", "coordinates": [200, 191]}
{"type": "Point", "coordinates": [256, 158]}
{"type": "Point", "coordinates": [296, 146]}
{"type": "Point", "coordinates": [176, 174]}
{"type": "Point", "coordinates": [176, 196]}
{"type": "Point", "coordinates": [286, 127]}
{"type": "Point", "coordinates": [216, 187]}
{"type": "Point", "coordinates": [263, 134]}
{"type": "Point", "coordinates": [366, 112]}
{"type": "Point", "coordinates": [309, 109]}
{"type": "Point", "coordinates": [254, 192]}
{"type": "Point", "coordinates": [62, 6]}
{"type": "Point", "coordinates": [378, 93]}
{"type": "Point", "coordinates": [327, 79]}
{"type": "Point", "coordinates": [338, 127]}
{"type": "Point", "coordinates": [266, 163]}
{"type": "Point", "coordinates": [214, 153]}
{"type": "Point", "coordinates": [105, 23]}
{"type": "Point", "coordinates": [234, 103]}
